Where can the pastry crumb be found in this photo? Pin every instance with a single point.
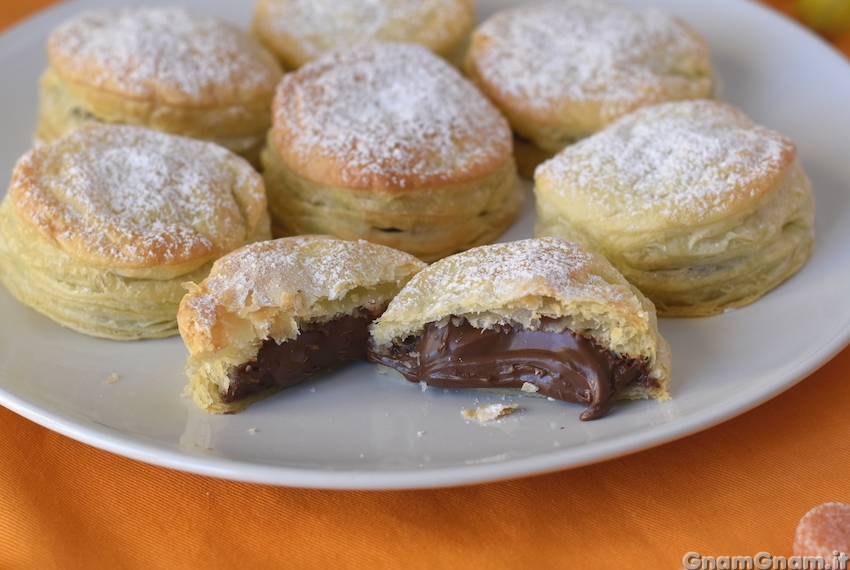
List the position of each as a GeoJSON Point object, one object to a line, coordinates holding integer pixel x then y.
{"type": "Point", "coordinates": [252, 431]}
{"type": "Point", "coordinates": [423, 384]}
{"type": "Point", "coordinates": [489, 412]}
{"type": "Point", "coordinates": [113, 378]}
{"type": "Point", "coordinates": [529, 387]}
{"type": "Point", "coordinates": [551, 399]}
{"type": "Point", "coordinates": [420, 433]}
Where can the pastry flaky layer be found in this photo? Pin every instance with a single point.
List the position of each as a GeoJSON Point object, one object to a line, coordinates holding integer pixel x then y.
{"type": "Point", "coordinates": [699, 207]}
{"type": "Point", "coordinates": [100, 227]}
{"type": "Point", "coordinates": [537, 284]}
{"type": "Point", "coordinates": [561, 71]}
{"type": "Point", "coordinates": [389, 143]}
{"type": "Point", "coordinates": [171, 69]}
{"type": "Point", "coordinates": [298, 31]}
{"type": "Point", "coordinates": [273, 290]}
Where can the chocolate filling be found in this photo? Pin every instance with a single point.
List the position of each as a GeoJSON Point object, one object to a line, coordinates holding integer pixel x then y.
{"type": "Point", "coordinates": [317, 347]}
{"type": "Point", "coordinates": [562, 365]}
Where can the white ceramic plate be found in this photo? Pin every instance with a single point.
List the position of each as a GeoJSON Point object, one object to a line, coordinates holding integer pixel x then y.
{"type": "Point", "coordinates": [354, 428]}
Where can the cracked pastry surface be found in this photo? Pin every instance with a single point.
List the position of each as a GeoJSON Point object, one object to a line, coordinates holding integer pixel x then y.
{"type": "Point", "coordinates": [171, 69]}
{"type": "Point", "coordinates": [508, 316]}
{"type": "Point", "coordinates": [389, 143]}
{"type": "Point", "coordinates": [101, 227]}
{"type": "Point", "coordinates": [699, 207]}
{"type": "Point", "coordinates": [309, 298]}
{"type": "Point", "coordinates": [561, 71]}
{"type": "Point", "coordinates": [298, 31]}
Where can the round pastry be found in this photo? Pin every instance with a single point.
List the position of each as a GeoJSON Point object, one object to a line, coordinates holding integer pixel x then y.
{"type": "Point", "coordinates": [696, 205]}
{"type": "Point", "coordinates": [825, 531]}
{"type": "Point", "coordinates": [298, 31]}
{"type": "Point", "coordinates": [171, 69]}
{"type": "Point", "coordinates": [389, 143]}
{"type": "Point", "coordinates": [100, 228]}
{"type": "Point", "coordinates": [561, 71]}
{"type": "Point", "coordinates": [544, 316]}
{"type": "Point", "coordinates": [274, 313]}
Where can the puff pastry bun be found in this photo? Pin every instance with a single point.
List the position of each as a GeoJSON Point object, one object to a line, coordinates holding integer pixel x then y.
{"type": "Point", "coordinates": [537, 314]}
{"type": "Point", "coordinates": [100, 228]}
{"type": "Point", "coordinates": [696, 205]}
{"type": "Point", "coordinates": [561, 71]}
{"type": "Point", "coordinates": [389, 143]}
{"type": "Point", "coordinates": [298, 31]}
{"type": "Point", "coordinates": [171, 69]}
{"type": "Point", "coordinates": [273, 313]}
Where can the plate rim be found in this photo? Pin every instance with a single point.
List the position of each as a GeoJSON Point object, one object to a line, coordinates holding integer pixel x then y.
{"type": "Point", "coordinates": [113, 441]}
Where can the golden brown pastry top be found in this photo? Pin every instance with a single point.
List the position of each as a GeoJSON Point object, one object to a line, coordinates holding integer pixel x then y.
{"type": "Point", "coordinates": [682, 164]}
{"type": "Point", "coordinates": [302, 30]}
{"type": "Point", "coordinates": [267, 289]}
{"type": "Point", "coordinates": [548, 62]}
{"type": "Point", "coordinates": [174, 56]}
{"type": "Point", "coordinates": [139, 202]}
{"type": "Point", "coordinates": [387, 116]}
{"type": "Point", "coordinates": [523, 282]}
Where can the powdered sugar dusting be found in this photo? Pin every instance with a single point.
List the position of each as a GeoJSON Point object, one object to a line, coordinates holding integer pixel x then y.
{"type": "Point", "coordinates": [175, 54]}
{"type": "Point", "coordinates": [136, 197]}
{"type": "Point", "coordinates": [585, 50]}
{"type": "Point", "coordinates": [321, 26]}
{"type": "Point", "coordinates": [388, 112]}
{"type": "Point", "coordinates": [533, 267]}
{"type": "Point", "coordinates": [683, 161]}
{"type": "Point", "coordinates": [303, 269]}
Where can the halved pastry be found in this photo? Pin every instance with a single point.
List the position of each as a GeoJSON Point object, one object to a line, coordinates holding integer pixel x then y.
{"type": "Point", "coordinates": [387, 142]}
{"type": "Point", "coordinates": [276, 312]}
{"type": "Point", "coordinates": [700, 208]}
{"type": "Point", "coordinates": [100, 228]}
{"type": "Point", "coordinates": [171, 69]}
{"type": "Point", "coordinates": [544, 316]}
{"type": "Point", "coordinates": [298, 31]}
{"type": "Point", "coordinates": [561, 71]}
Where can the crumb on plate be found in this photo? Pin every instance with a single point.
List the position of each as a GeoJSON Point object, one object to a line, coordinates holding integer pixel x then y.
{"type": "Point", "coordinates": [489, 412]}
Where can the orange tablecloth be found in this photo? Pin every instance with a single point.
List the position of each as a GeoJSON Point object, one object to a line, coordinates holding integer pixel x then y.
{"type": "Point", "coordinates": [737, 489]}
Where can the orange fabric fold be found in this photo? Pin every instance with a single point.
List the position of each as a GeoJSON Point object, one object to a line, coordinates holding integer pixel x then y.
{"type": "Point", "coordinates": [734, 490]}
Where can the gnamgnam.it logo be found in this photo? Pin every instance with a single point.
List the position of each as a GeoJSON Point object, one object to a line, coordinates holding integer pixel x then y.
{"type": "Point", "coordinates": [765, 561]}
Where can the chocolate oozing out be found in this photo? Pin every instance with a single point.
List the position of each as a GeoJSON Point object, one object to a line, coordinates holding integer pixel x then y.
{"type": "Point", "coordinates": [317, 347]}
{"type": "Point", "coordinates": [562, 365]}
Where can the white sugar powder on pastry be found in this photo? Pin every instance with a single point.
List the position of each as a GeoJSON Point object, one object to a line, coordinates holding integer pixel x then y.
{"type": "Point", "coordinates": [171, 69]}
{"type": "Point", "coordinates": [699, 207]}
{"type": "Point", "coordinates": [542, 316]}
{"type": "Point", "coordinates": [561, 71]}
{"type": "Point", "coordinates": [276, 312]}
{"type": "Point", "coordinates": [99, 229]}
{"type": "Point", "coordinates": [298, 31]}
{"type": "Point", "coordinates": [389, 143]}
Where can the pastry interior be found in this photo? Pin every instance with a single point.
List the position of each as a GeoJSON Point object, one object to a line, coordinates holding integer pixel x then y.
{"type": "Point", "coordinates": [541, 317]}
{"type": "Point", "coordinates": [277, 312]}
